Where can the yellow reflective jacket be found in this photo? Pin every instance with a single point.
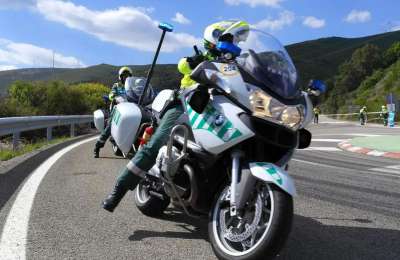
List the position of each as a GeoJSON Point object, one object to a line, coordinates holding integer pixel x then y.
{"type": "Point", "coordinates": [184, 68]}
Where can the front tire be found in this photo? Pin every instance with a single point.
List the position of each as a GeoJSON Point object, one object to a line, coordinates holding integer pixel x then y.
{"type": "Point", "coordinates": [148, 204]}
{"type": "Point", "coordinates": [270, 230]}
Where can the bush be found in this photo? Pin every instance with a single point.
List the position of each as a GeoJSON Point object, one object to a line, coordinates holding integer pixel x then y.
{"type": "Point", "coordinates": [52, 98]}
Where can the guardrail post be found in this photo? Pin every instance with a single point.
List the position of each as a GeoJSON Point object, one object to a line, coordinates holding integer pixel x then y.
{"type": "Point", "coordinates": [72, 130]}
{"type": "Point", "coordinates": [49, 133]}
{"type": "Point", "coordinates": [15, 140]}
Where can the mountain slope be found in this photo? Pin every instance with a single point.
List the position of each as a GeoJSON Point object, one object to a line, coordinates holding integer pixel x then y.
{"type": "Point", "coordinates": [321, 58]}
{"type": "Point", "coordinates": [313, 59]}
{"type": "Point", "coordinates": [165, 75]}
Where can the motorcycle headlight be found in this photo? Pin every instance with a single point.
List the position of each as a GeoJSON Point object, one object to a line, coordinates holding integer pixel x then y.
{"type": "Point", "coordinates": [267, 107]}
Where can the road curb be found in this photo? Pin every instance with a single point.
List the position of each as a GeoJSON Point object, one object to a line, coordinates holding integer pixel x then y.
{"type": "Point", "coordinates": [347, 146]}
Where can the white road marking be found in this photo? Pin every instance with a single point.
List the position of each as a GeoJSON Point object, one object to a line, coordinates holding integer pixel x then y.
{"type": "Point", "coordinates": [362, 135]}
{"type": "Point", "coordinates": [344, 168]}
{"type": "Point", "coordinates": [328, 140]}
{"type": "Point", "coordinates": [388, 169]}
{"type": "Point", "coordinates": [319, 164]}
{"type": "Point", "coordinates": [354, 149]}
{"type": "Point", "coordinates": [325, 149]}
{"type": "Point", "coordinates": [13, 238]}
{"type": "Point", "coordinates": [376, 153]}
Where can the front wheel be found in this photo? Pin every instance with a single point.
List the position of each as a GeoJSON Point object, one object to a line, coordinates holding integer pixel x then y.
{"type": "Point", "coordinates": [261, 230]}
{"type": "Point", "coordinates": [148, 204]}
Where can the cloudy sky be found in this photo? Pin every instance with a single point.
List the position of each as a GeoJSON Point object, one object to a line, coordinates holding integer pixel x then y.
{"type": "Point", "coordinates": [87, 32]}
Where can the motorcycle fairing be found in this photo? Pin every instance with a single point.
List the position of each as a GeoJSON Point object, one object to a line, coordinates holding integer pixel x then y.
{"type": "Point", "coordinates": [98, 116]}
{"type": "Point", "coordinates": [271, 173]}
{"type": "Point", "coordinates": [219, 126]}
{"type": "Point", "coordinates": [125, 123]}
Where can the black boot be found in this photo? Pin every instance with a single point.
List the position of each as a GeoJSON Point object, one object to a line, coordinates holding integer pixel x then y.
{"type": "Point", "coordinates": [126, 181]}
{"type": "Point", "coordinates": [112, 200]}
{"type": "Point", "coordinates": [96, 152]}
{"type": "Point", "coordinates": [99, 144]}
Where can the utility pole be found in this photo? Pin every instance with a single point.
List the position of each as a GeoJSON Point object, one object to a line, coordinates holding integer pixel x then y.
{"type": "Point", "coordinates": [53, 72]}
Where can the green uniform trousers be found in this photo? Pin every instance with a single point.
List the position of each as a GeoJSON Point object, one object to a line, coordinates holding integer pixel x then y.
{"type": "Point", "coordinates": [146, 157]}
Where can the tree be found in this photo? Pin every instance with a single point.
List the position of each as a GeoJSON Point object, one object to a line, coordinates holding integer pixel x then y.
{"type": "Point", "coordinates": [392, 54]}
{"type": "Point", "coordinates": [362, 63]}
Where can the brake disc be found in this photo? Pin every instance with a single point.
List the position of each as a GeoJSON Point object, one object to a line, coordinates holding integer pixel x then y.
{"type": "Point", "coordinates": [231, 234]}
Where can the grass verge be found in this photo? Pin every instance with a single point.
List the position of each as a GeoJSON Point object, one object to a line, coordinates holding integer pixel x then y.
{"type": "Point", "coordinates": [9, 153]}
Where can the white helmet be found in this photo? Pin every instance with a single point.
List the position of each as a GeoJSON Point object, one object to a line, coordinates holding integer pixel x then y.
{"type": "Point", "coordinates": [239, 29]}
{"type": "Point", "coordinates": [124, 70]}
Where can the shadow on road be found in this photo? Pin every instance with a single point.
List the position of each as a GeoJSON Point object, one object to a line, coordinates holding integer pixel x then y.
{"type": "Point", "coordinates": [11, 180]}
{"type": "Point", "coordinates": [308, 240]}
{"type": "Point", "coordinates": [311, 239]}
{"type": "Point", "coordinates": [193, 228]}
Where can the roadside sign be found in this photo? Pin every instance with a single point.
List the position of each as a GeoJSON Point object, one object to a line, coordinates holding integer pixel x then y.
{"type": "Point", "coordinates": [391, 119]}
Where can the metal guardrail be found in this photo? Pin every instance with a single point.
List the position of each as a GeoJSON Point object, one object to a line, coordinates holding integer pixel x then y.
{"type": "Point", "coordinates": [16, 125]}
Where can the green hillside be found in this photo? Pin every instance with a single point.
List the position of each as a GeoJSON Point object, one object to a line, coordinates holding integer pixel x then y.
{"type": "Point", "coordinates": [165, 75]}
{"type": "Point", "coordinates": [313, 59]}
{"type": "Point", "coordinates": [374, 89]}
{"type": "Point", "coordinates": [321, 58]}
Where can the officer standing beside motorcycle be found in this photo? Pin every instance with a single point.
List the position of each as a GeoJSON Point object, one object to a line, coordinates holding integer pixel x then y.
{"type": "Point", "coordinates": [145, 158]}
{"type": "Point", "coordinates": [363, 115]}
{"type": "Point", "coordinates": [118, 89]}
{"type": "Point", "coordinates": [384, 115]}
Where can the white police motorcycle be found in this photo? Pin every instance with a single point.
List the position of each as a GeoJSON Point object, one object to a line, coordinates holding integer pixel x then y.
{"type": "Point", "coordinates": [228, 156]}
{"type": "Point", "coordinates": [125, 143]}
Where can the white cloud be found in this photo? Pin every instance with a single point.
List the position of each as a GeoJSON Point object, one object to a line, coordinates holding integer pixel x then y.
{"type": "Point", "coordinates": [180, 18]}
{"type": "Point", "coordinates": [125, 26]}
{"type": "Point", "coordinates": [313, 22]}
{"type": "Point", "coordinates": [395, 28]}
{"type": "Point", "coordinates": [358, 16]}
{"type": "Point", "coordinates": [285, 18]}
{"type": "Point", "coordinates": [7, 67]}
{"type": "Point", "coordinates": [14, 55]}
{"type": "Point", "coordinates": [16, 4]}
{"type": "Point", "coordinates": [254, 3]}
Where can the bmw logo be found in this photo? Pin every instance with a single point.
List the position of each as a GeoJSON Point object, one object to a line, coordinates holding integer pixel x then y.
{"type": "Point", "coordinates": [219, 120]}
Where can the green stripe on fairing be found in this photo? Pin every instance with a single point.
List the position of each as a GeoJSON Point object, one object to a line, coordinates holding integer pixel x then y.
{"type": "Point", "coordinates": [271, 171]}
{"type": "Point", "coordinates": [193, 119]}
{"type": "Point", "coordinates": [224, 129]}
{"type": "Point", "coordinates": [236, 134]}
{"type": "Point", "coordinates": [189, 109]}
{"type": "Point", "coordinates": [203, 120]}
{"type": "Point", "coordinates": [207, 114]}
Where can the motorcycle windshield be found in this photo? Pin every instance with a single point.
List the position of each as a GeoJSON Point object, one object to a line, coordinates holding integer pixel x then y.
{"type": "Point", "coordinates": [265, 59]}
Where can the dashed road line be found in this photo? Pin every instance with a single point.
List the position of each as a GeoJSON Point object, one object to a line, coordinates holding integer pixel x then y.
{"type": "Point", "coordinates": [328, 140]}
{"type": "Point", "coordinates": [371, 171]}
{"type": "Point", "coordinates": [324, 149]}
{"type": "Point", "coordinates": [388, 169]}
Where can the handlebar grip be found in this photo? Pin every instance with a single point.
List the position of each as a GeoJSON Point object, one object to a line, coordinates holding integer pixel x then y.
{"type": "Point", "coordinates": [196, 50]}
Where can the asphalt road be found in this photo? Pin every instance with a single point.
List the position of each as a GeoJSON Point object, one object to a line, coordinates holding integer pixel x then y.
{"type": "Point", "coordinates": [348, 207]}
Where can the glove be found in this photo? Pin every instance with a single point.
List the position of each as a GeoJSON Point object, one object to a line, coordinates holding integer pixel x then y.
{"type": "Point", "coordinates": [195, 60]}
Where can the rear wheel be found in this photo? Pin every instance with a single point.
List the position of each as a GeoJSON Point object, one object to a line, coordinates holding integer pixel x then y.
{"type": "Point", "coordinates": [261, 230]}
{"type": "Point", "coordinates": [147, 203]}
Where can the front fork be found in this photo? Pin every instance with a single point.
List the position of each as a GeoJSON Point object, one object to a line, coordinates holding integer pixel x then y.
{"type": "Point", "coordinates": [242, 183]}
{"type": "Point", "coordinates": [236, 155]}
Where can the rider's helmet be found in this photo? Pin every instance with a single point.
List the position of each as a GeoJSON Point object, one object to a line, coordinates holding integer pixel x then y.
{"type": "Point", "coordinates": [238, 29]}
{"type": "Point", "coordinates": [124, 72]}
